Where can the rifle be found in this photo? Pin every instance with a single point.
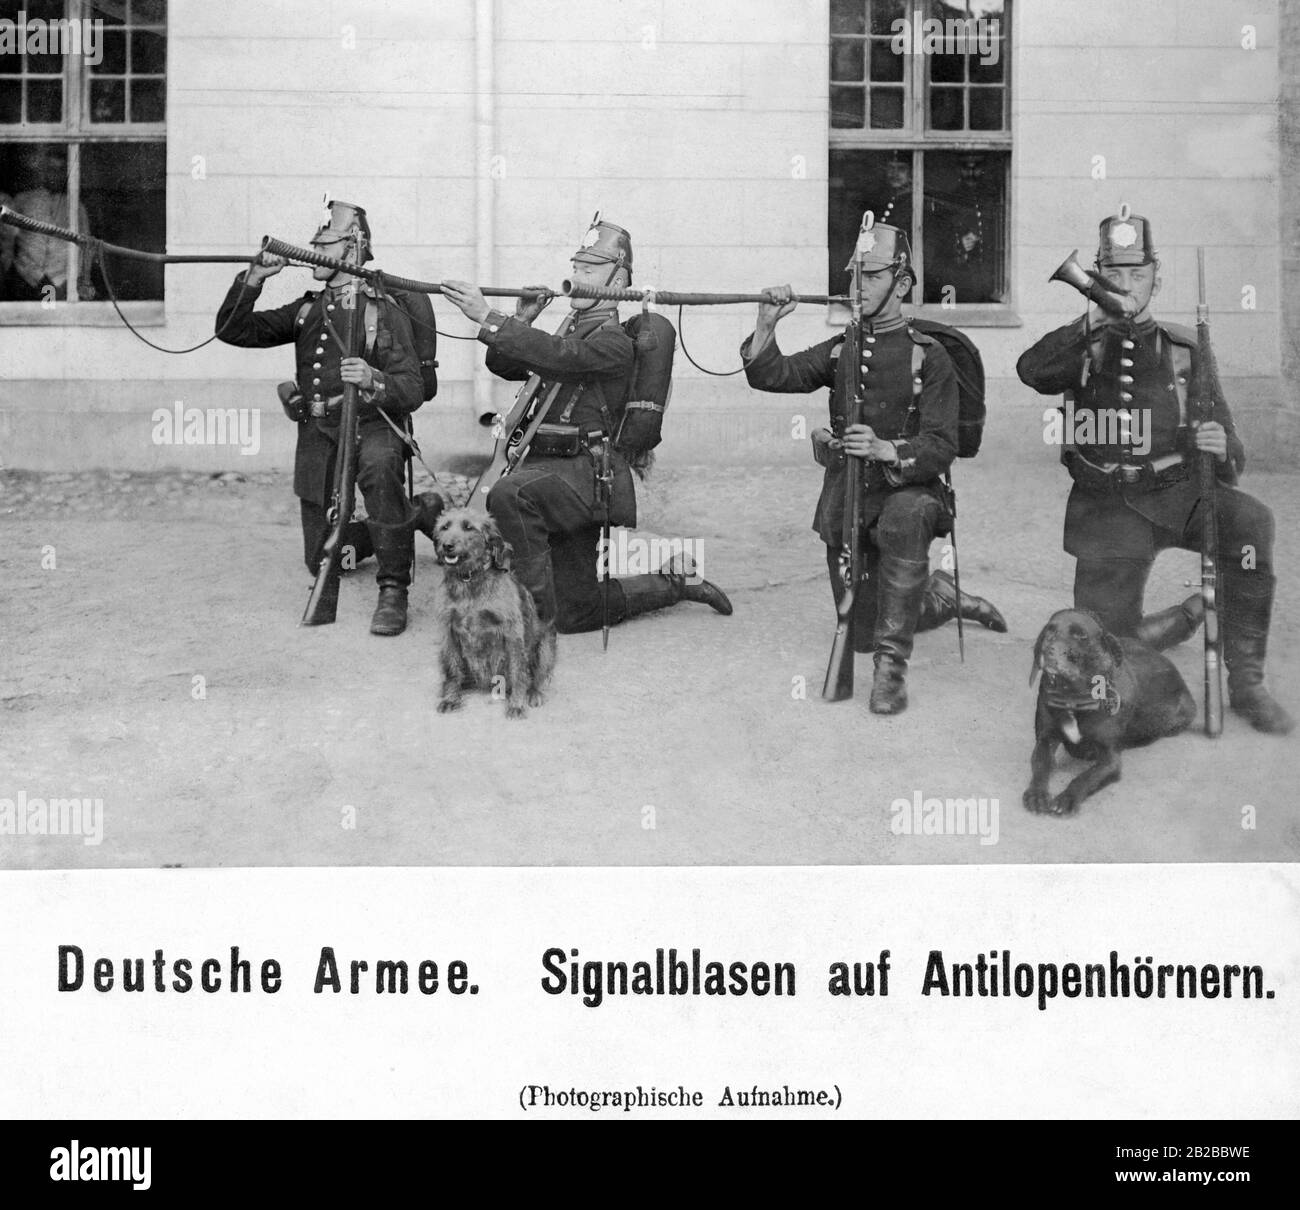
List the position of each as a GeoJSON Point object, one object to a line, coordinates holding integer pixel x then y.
{"type": "Point", "coordinates": [605, 483]}
{"type": "Point", "coordinates": [323, 603]}
{"type": "Point", "coordinates": [517, 430]}
{"type": "Point", "coordinates": [1202, 410]}
{"type": "Point", "coordinates": [839, 672]}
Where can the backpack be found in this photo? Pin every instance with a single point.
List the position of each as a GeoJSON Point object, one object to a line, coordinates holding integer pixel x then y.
{"type": "Point", "coordinates": [424, 330]}
{"type": "Point", "coordinates": [966, 360]}
{"type": "Point", "coordinates": [640, 427]}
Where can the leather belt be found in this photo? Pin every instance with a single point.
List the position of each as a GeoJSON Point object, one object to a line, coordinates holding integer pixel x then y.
{"type": "Point", "coordinates": [1116, 478]}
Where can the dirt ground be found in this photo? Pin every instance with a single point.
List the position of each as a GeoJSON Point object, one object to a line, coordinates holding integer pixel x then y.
{"type": "Point", "coordinates": [687, 743]}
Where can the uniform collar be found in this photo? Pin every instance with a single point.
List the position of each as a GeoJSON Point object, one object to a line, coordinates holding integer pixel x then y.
{"type": "Point", "coordinates": [885, 325]}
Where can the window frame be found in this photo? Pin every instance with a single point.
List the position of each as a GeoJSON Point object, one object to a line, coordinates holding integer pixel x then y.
{"type": "Point", "coordinates": [75, 130]}
{"type": "Point", "coordinates": [915, 139]}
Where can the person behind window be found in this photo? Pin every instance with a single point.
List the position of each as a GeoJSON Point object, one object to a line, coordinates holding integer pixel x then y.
{"type": "Point", "coordinates": [33, 264]}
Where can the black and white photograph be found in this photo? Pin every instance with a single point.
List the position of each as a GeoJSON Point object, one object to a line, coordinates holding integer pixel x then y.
{"type": "Point", "coordinates": [565, 446]}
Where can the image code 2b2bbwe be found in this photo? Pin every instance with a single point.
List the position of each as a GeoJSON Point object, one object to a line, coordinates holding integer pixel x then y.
{"type": "Point", "coordinates": [641, 433]}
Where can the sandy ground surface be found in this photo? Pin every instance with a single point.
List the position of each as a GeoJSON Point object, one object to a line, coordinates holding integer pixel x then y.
{"type": "Point", "coordinates": [687, 743]}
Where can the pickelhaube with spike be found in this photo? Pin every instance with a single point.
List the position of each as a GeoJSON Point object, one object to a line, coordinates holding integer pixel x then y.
{"type": "Point", "coordinates": [605, 244]}
{"type": "Point", "coordinates": [343, 220]}
{"type": "Point", "coordinates": [881, 246]}
{"type": "Point", "coordinates": [1125, 239]}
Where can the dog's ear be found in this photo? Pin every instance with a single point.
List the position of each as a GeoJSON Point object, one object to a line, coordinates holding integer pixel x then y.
{"type": "Point", "coordinates": [499, 550]}
{"type": "Point", "coordinates": [1038, 656]}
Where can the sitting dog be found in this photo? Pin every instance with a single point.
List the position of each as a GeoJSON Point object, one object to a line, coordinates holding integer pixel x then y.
{"type": "Point", "coordinates": [1098, 694]}
{"type": "Point", "coordinates": [492, 638]}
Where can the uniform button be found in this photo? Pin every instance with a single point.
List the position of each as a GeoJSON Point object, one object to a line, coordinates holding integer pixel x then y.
{"type": "Point", "coordinates": [1126, 379]}
{"type": "Point", "coordinates": [315, 382]}
{"type": "Point", "coordinates": [330, 307]}
{"type": "Point", "coordinates": [871, 340]}
{"type": "Point", "coordinates": [1128, 344]}
{"type": "Point", "coordinates": [1125, 397]}
{"type": "Point", "coordinates": [1126, 362]}
{"type": "Point", "coordinates": [315, 365]}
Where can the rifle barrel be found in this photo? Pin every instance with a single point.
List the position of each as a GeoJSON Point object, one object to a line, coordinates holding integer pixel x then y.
{"type": "Point", "coordinates": [16, 219]}
{"type": "Point", "coordinates": [278, 247]}
{"type": "Point", "coordinates": [669, 298]}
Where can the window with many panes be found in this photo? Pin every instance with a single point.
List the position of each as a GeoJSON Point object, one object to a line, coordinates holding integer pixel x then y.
{"type": "Point", "coordinates": [82, 143]}
{"type": "Point", "coordinates": [920, 134]}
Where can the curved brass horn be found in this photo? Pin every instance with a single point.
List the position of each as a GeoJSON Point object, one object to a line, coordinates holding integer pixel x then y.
{"type": "Point", "coordinates": [1099, 291]}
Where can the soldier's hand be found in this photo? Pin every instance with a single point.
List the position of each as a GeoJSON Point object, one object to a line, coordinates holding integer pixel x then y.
{"type": "Point", "coordinates": [1212, 438]}
{"type": "Point", "coordinates": [528, 309]}
{"type": "Point", "coordinates": [357, 372]}
{"type": "Point", "coordinates": [782, 302]}
{"type": "Point", "coordinates": [267, 264]}
{"type": "Point", "coordinates": [469, 298]}
{"type": "Point", "coordinates": [861, 441]}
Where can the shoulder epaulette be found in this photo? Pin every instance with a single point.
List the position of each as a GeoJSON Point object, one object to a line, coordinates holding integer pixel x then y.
{"type": "Point", "coordinates": [920, 338]}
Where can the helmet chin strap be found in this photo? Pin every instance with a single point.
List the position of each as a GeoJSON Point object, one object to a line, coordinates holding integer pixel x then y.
{"type": "Point", "coordinates": [880, 306]}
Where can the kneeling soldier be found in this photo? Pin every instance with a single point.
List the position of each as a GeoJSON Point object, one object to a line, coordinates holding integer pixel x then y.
{"type": "Point", "coordinates": [549, 508]}
{"type": "Point", "coordinates": [1136, 493]}
{"type": "Point", "coordinates": [909, 440]}
{"type": "Point", "coordinates": [388, 378]}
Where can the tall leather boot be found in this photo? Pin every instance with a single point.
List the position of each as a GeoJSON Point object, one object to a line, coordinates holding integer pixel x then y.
{"type": "Point", "coordinates": [538, 576]}
{"type": "Point", "coordinates": [939, 605]}
{"type": "Point", "coordinates": [1247, 609]}
{"type": "Point", "coordinates": [659, 590]}
{"type": "Point", "coordinates": [898, 607]}
{"type": "Point", "coordinates": [1172, 626]}
{"type": "Point", "coordinates": [394, 549]}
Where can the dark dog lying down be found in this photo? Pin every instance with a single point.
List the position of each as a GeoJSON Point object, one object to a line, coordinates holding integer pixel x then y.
{"type": "Point", "coordinates": [492, 638]}
{"type": "Point", "coordinates": [1098, 694]}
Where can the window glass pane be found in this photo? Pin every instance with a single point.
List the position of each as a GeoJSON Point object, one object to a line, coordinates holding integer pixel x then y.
{"type": "Point", "coordinates": [147, 101]}
{"type": "Point", "coordinates": [987, 73]}
{"type": "Point", "coordinates": [846, 60]}
{"type": "Point", "coordinates": [885, 65]}
{"type": "Point", "coordinates": [848, 16]}
{"type": "Point", "coordinates": [946, 69]}
{"type": "Point", "coordinates": [36, 175]}
{"type": "Point", "coordinates": [879, 181]}
{"type": "Point", "coordinates": [113, 45]}
{"type": "Point", "coordinates": [110, 12]}
{"type": "Point", "coordinates": [986, 109]}
{"type": "Point", "coordinates": [884, 13]}
{"type": "Point", "coordinates": [11, 101]}
{"type": "Point", "coordinates": [148, 12]}
{"type": "Point", "coordinates": [123, 187]}
{"type": "Point", "coordinates": [148, 53]}
{"type": "Point", "coordinates": [848, 108]}
{"type": "Point", "coordinates": [886, 109]}
{"type": "Point", "coordinates": [964, 253]}
{"type": "Point", "coordinates": [47, 10]}
{"type": "Point", "coordinates": [11, 65]}
{"type": "Point", "coordinates": [44, 100]}
{"type": "Point", "coordinates": [946, 109]}
{"type": "Point", "coordinates": [107, 101]}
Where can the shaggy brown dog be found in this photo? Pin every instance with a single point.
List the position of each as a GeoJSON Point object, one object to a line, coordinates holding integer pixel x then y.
{"type": "Point", "coordinates": [492, 638]}
{"type": "Point", "coordinates": [1099, 694]}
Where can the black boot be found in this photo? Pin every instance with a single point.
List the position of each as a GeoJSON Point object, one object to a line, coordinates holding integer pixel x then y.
{"type": "Point", "coordinates": [429, 507]}
{"type": "Point", "coordinates": [393, 549]}
{"type": "Point", "coordinates": [939, 605]}
{"type": "Point", "coordinates": [659, 590]}
{"type": "Point", "coordinates": [1172, 626]}
{"type": "Point", "coordinates": [1247, 609]}
{"type": "Point", "coordinates": [644, 594]}
{"type": "Point", "coordinates": [902, 583]}
{"type": "Point", "coordinates": [538, 576]}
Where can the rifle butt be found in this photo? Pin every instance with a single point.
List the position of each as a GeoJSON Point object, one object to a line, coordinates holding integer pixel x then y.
{"type": "Point", "coordinates": [323, 603]}
{"type": "Point", "coordinates": [838, 686]}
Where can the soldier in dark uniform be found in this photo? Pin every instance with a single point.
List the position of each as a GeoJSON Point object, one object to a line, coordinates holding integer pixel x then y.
{"type": "Point", "coordinates": [1137, 494]}
{"type": "Point", "coordinates": [908, 441]}
{"type": "Point", "coordinates": [548, 509]}
{"type": "Point", "coordinates": [387, 377]}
